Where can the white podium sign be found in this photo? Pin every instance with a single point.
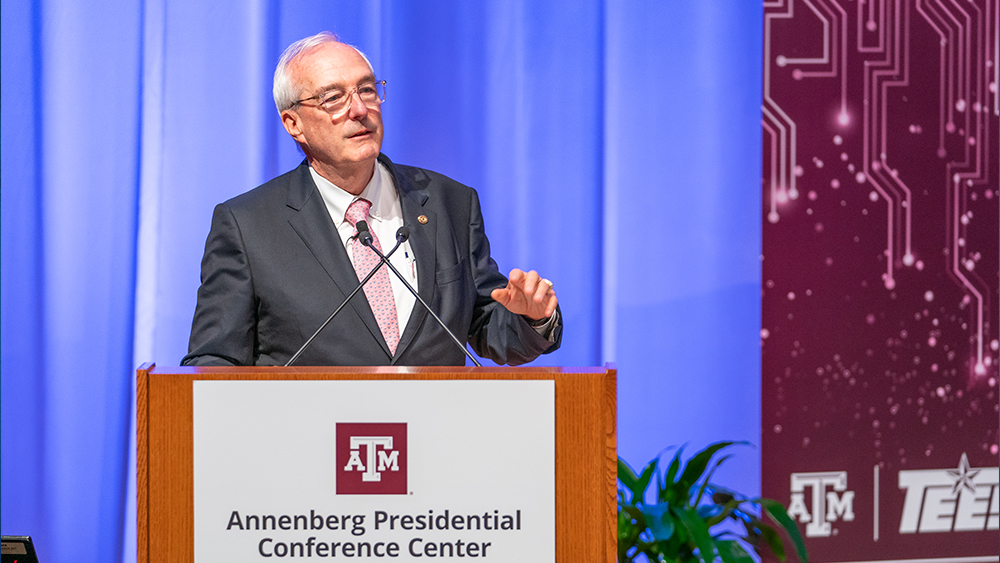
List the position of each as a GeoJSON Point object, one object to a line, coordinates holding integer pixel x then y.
{"type": "Point", "coordinates": [395, 470]}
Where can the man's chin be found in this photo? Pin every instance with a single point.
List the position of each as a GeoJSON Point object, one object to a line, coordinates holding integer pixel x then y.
{"type": "Point", "coordinates": [368, 149]}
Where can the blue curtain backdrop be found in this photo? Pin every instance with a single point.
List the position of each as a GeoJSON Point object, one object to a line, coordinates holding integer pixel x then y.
{"type": "Point", "coordinates": [615, 145]}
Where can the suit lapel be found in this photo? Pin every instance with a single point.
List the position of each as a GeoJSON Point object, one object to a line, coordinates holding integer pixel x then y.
{"type": "Point", "coordinates": [423, 237]}
{"type": "Point", "coordinates": [313, 225]}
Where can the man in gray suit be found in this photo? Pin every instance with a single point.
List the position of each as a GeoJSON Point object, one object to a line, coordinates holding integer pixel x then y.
{"type": "Point", "coordinates": [281, 257]}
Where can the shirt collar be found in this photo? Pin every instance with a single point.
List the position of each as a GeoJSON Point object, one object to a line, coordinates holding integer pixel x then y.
{"type": "Point", "coordinates": [337, 200]}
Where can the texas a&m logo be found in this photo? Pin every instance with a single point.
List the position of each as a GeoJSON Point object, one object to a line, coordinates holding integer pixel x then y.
{"type": "Point", "coordinates": [827, 505]}
{"type": "Point", "coordinates": [371, 458]}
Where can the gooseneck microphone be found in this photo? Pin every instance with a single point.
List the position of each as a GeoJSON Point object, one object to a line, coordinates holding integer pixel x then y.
{"type": "Point", "coordinates": [402, 234]}
{"type": "Point", "coordinates": [365, 236]}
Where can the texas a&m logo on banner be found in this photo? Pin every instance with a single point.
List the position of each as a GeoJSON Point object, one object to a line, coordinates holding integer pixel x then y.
{"type": "Point", "coordinates": [922, 514]}
{"type": "Point", "coordinates": [829, 498]}
{"type": "Point", "coordinates": [371, 458]}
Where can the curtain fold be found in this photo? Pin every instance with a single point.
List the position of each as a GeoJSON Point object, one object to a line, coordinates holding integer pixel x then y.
{"type": "Point", "coordinates": [70, 109]}
{"type": "Point", "coordinates": [614, 144]}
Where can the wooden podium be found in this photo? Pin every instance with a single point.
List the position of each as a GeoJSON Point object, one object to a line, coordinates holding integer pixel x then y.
{"type": "Point", "coordinates": [585, 457]}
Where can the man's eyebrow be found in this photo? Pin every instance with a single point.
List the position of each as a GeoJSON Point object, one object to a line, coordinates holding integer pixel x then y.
{"type": "Point", "coordinates": [332, 87]}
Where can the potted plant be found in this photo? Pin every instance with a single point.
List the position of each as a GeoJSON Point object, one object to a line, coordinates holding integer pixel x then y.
{"type": "Point", "coordinates": [681, 522]}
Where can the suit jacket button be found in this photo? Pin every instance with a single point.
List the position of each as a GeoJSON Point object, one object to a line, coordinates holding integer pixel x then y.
{"type": "Point", "coordinates": [422, 219]}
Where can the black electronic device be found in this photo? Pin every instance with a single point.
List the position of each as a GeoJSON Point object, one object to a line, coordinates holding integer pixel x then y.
{"type": "Point", "coordinates": [17, 549]}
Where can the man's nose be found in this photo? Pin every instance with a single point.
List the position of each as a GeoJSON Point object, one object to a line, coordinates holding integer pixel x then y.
{"type": "Point", "coordinates": [357, 108]}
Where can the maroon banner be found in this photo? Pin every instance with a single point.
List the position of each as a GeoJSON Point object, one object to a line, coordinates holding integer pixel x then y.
{"type": "Point", "coordinates": [880, 276]}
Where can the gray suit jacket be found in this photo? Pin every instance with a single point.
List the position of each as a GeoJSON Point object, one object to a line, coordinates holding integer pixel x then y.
{"type": "Point", "coordinates": [275, 268]}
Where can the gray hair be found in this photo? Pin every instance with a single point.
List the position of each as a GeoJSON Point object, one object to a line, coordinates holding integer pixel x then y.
{"type": "Point", "coordinates": [285, 92]}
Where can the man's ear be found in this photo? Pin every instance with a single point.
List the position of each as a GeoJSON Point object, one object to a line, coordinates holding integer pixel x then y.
{"type": "Point", "coordinates": [293, 124]}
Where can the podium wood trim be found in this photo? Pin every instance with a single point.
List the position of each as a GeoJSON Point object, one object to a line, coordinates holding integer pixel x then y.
{"type": "Point", "coordinates": [586, 449]}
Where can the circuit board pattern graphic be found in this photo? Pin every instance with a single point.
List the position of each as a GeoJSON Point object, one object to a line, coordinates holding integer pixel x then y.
{"type": "Point", "coordinates": [880, 269]}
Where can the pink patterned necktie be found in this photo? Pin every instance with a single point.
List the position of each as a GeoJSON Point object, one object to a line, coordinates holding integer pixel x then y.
{"type": "Point", "coordinates": [378, 289]}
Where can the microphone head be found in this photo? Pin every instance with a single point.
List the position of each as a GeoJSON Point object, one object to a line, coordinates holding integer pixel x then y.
{"type": "Point", "coordinates": [402, 234]}
{"type": "Point", "coordinates": [364, 235]}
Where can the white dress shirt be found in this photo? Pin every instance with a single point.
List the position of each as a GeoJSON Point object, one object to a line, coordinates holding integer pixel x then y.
{"type": "Point", "coordinates": [386, 217]}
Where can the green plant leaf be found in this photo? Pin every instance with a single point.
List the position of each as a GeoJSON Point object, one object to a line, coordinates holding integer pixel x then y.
{"type": "Point", "coordinates": [660, 489]}
{"type": "Point", "coordinates": [660, 521]}
{"type": "Point", "coordinates": [776, 511]}
{"type": "Point", "coordinates": [708, 477]}
{"type": "Point", "coordinates": [643, 484]}
{"type": "Point", "coordinates": [752, 527]}
{"type": "Point", "coordinates": [722, 495]}
{"type": "Point", "coordinates": [697, 464]}
{"type": "Point", "coordinates": [727, 511]}
{"type": "Point", "coordinates": [636, 484]}
{"type": "Point", "coordinates": [773, 540]}
{"type": "Point", "coordinates": [707, 511]}
{"type": "Point", "coordinates": [674, 549]}
{"type": "Point", "coordinates": [732, 552]}
{"type": "Point", "coordinates": [631, 525]}
{"type": "Point", "coordinates": [633, 513]}
{"type": "Point", "coordinates": [674, 466]}
{"type": "Point", "coordinates": [626, 474]}
{"type": "Point", "coordinates": [698, 531]}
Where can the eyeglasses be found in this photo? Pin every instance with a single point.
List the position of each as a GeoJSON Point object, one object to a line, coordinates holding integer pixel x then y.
{"type": "Point", "coordinates": [336, 102]}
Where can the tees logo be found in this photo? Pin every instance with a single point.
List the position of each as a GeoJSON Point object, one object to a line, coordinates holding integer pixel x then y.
{"type": "Point", "coordinates": [827, 505]}
{"type": "Point", "coordinates": [371, 458]}
{"type": "Point", "coordinates": [950, 500]}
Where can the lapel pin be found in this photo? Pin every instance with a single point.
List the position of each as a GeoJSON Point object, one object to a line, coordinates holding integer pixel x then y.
{"type": "Point", "coordinates": [422, 219]}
